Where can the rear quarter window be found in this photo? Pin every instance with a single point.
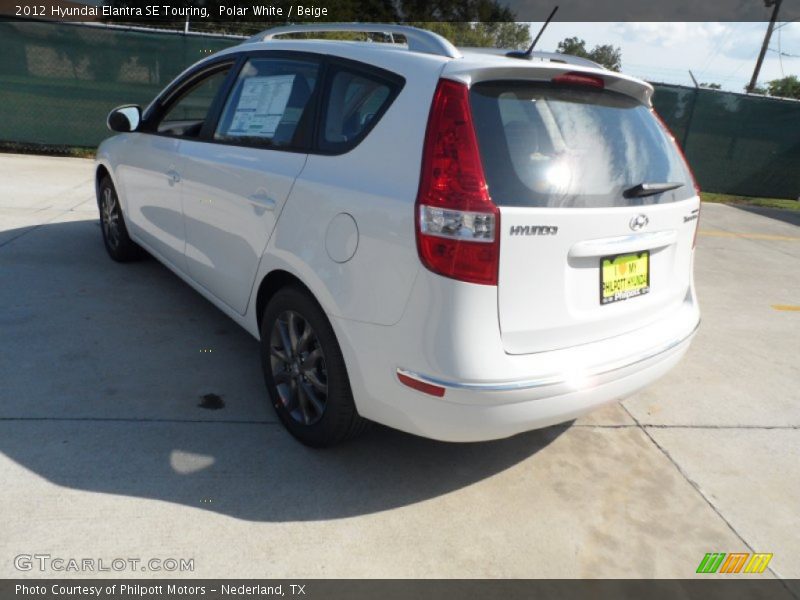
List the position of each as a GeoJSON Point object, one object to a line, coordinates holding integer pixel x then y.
{"type": "Point", "coordinates": [356, 100]}
{"type": "Point", "coordinates": [570, 146]}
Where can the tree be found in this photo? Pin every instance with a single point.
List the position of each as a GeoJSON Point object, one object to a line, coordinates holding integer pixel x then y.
{"type": "Point", "coordinates": [574, 46]}
{"type": "Point", "coordinates": [436, 11]}
{"type": "Point", "coordinates": [786, 87]}
{"type": "Point", "coordinates": [607, 55]}
{"type": "Point", "coordinates": [463, 22]}
{"type": "Point", "coordinates": [495, 35]}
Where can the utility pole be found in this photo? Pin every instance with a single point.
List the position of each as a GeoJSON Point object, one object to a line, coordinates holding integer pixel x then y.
{"type": "Point", "coordinates": [776, 4]}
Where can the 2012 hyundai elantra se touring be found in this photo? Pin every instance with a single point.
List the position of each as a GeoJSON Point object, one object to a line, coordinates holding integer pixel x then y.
{"type": "Point", "coordinates": [458, 244]}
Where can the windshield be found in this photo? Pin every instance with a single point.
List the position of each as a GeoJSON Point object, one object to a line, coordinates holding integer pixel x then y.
{"type": "Point", "coordinates": [546, 145]}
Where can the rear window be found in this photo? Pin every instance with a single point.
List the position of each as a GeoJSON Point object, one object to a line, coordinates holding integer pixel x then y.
{"type": "Point", "coordinates": [545, 145]}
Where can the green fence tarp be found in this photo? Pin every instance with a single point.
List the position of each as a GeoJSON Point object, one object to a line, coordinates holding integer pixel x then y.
{"type": "Point", "coordinates": [735, 143]}
{"type": "Point", "coordinates": [59, 81]}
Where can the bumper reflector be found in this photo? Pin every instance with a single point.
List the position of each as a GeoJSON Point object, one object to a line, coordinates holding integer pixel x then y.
{"type": "Point", "coordinates": [420, 386]}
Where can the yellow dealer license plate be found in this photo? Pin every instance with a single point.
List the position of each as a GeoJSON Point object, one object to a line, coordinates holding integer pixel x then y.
{"type": "Point", "coordinates": [625, 276]}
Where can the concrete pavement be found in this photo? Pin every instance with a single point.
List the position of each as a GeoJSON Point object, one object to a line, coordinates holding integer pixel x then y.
{"type": "Point", "coordinates": [106, 451]}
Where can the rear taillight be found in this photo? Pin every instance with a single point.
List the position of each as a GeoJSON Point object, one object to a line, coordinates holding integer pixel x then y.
{"type": "Point", "coordinates": [457, 223]}
{"type": "Point", "coordinates": [688, 168]}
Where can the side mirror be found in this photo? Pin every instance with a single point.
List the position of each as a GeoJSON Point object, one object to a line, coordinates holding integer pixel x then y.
{"type": "Point", "coordinates": [124, 118]}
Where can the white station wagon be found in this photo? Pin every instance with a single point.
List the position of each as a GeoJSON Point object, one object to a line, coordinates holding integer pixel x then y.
{"type": "Point", "coordinates": [461, 244]}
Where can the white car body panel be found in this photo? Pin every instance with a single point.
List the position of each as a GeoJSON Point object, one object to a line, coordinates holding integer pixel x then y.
{"type": "Point", "coordinates": [509, 357]}
{"type": "Point", "coordinates": [152, 197]}
{"type": "Point", "coordinates": [553, 303]}
{"type": "Point", "coordinates": [231, 198]}
{"type": "Point", "coordinates": [375, 284]}
{"type": "Point", "coordinates": [477, 67]}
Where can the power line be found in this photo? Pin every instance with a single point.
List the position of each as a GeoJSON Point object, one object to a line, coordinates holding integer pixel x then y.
{"type": "Point", "coordinates": [786, 54]}
{"type": "Point", "coordinates": [735, 71]}
{"type": "Point", "coordinates": [716, 51]}
{"type": "Point", "coordinates": [785, 23]}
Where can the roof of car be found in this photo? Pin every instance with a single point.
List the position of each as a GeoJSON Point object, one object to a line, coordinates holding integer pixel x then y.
{"type": "Point", "coordinates": [360, 50]}
{"type": "Point", "coordinates": [440, 55]}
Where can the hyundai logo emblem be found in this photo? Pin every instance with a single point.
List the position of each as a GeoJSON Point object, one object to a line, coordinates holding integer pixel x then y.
{"type": "Point", "coordinates": [639, 222]}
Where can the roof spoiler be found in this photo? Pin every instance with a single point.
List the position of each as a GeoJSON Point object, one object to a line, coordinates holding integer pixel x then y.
{"type": "Point", "coordinates": [557, 57]}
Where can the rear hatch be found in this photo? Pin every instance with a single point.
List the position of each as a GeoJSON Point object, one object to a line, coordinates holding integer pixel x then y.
{"type": "Point", "coordinates": [598, 209]}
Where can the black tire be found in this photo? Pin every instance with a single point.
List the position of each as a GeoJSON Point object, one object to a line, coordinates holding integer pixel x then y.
{"type": "Point", "coordinates": [118, 243]}
{"type": "Point", "coordinates": [300, 355]}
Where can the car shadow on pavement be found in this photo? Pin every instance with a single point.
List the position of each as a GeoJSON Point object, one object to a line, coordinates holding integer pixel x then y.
{"type": "Point", "coordinates": [108, 370]}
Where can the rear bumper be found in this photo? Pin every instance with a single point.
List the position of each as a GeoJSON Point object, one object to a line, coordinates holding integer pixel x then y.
{"type": "Point", "coordinates": [449, 337]}
{"type": "Point", "coordinates": [557, 379]}
{"type": "Point", "coordinates": [474, 411]}
{"type": "Point", "coordinates": [478, 410]}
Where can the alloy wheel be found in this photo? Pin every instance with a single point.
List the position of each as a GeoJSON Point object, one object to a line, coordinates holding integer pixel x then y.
{"type": "Point", "coordinates": [109, 218]}
{"type": "Point", "coordinates": [298, 368]}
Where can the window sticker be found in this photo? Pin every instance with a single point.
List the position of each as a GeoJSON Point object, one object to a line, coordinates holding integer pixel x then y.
{"type": "Point", "coordinates": [261, 106]}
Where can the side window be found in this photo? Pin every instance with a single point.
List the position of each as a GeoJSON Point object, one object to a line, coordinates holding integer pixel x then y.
{"type": "Point", "coordinates": [356, 101]}
{"type": "Point", "coordinates": [269, 105]}
{"type": "Point", "coordinates": [187, 113]}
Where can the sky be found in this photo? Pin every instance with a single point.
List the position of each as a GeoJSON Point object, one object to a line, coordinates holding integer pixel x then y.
{"type": "Point", "coordinates": [723, 53]}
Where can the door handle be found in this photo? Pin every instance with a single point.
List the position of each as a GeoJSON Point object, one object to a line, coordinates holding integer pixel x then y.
{"type": "Point", "coordinates": [173, 177]}
{"type": "Point", "coordinates": [263, 200]}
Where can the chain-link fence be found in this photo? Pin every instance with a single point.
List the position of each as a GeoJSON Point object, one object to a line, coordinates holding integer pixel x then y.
{"type": "Point", "coordinates": [59, 81]}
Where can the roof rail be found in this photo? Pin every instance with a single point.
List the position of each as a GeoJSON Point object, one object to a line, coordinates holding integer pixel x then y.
{"type": "Point", "coordinates": [418, 40]}
{"type": "Point", "coordinates": [540, 55]}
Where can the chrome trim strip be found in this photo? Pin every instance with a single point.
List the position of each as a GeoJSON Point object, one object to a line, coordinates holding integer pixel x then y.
{"type": "Point", "coordinates": [555, 378]}
{"type": "Point", "coordinates": [626, 243]}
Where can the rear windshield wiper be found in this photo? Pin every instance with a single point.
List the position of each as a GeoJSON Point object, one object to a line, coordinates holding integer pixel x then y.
{"type": "Point", "coordinates": [650, 189]}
